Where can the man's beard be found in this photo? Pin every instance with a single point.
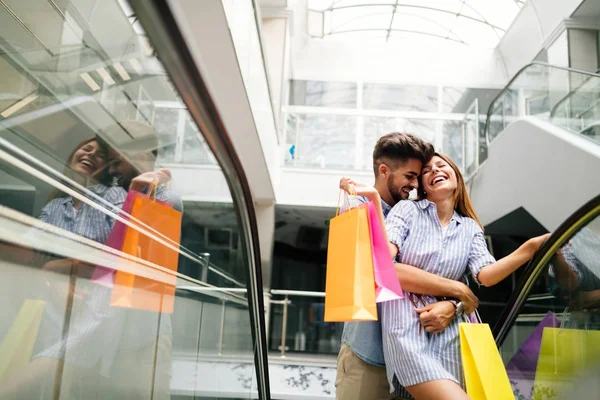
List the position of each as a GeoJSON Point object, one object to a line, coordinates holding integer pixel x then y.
{"type": "Point", "coordinates": [397, 192]}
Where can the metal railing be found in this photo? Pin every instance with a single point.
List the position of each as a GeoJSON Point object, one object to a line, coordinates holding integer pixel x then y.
{"type": "Point", "coordinates": [286, 303]}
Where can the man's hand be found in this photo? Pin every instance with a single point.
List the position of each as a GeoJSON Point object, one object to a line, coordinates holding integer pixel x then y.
{"type": "Point", "coordinates": [465, 295]}
{"type": "Point", "coordinates": [437, 316]}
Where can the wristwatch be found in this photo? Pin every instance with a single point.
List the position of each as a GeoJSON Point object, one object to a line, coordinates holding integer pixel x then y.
{"type": "Point", "coordinates": [458, 305]}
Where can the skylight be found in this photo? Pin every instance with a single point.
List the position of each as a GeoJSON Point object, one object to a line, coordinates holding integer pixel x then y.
{"type": "Point", "coordinates": [464, 22]}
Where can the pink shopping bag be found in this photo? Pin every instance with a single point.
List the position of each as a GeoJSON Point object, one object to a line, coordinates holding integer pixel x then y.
{"type": "Point", "coordinates": [104, 275]}
{"type": "Point", "coordinates": [387, 285]}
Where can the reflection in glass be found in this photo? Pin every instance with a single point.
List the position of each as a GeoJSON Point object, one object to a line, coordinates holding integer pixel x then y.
{"type": "Point", "coordinates": [555, 341]}
{"type": "Point", "coordinates": [88, 121]}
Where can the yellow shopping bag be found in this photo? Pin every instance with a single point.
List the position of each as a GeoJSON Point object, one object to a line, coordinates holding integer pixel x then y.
{"type": "Point", "coordinates": [485, 375]}
{"type": "Point", "coordinates": [350, 282]}
{"type": "Point", "coordinates": [16, 347]}
{"type": "Point", "coordinates": [564, 355]}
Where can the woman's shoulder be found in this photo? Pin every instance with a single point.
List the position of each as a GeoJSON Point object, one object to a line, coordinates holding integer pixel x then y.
{"type": "Point", "coordinates": [472, 225]}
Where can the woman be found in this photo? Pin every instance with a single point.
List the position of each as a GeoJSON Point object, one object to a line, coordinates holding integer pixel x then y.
{"type": "Point", "coordinates": [441, 234]}
{"type": "Point", "coordinates": [88, 166]}
{"type": "Point", "coordinates": [87, 342]}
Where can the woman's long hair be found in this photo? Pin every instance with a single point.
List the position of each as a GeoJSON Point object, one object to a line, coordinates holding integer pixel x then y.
{"type": "Point", "coordinates": [102, 176]}
{"type": "Point", "coordinates": [462, 201]}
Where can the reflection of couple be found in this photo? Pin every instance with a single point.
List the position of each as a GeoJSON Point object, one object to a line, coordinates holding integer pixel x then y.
{"type": "Point", "coordinates": [115, 346]}
{"type": "Point", "coordinates": [435, 241]}
{"type": "Point", "coordinates": [575, 273]}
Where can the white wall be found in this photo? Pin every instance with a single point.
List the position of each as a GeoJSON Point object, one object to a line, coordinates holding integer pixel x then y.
{"type": "Point", "coordinates": [205, 28]}
{"type": "Point", "coordinates": [449, 64]}
{"type": "Point", "coordinates": [530, 31]}
{"type": "Point", "coordinates": [313, 187]}
{"type": "Point", "coordinates": [535, 165]}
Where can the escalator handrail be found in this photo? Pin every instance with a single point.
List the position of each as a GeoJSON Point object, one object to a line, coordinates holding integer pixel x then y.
{"type": "Point", "coordinates": [536, 266]}
{"type": "Point", "coordinates": [513, 79]}
{"type": "Point", "coordinates": [572, 92]}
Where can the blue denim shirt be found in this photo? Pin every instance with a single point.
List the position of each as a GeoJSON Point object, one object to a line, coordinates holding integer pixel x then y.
{"type": "Point", "coordinates": [364, 337]}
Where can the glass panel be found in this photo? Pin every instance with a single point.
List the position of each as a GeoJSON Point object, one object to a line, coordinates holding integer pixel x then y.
{"type": "Point", "coordinates": [565, 98]}
{"type": "Point", "coordinates": [453, 141]}
{"type": "Point", "coordinates": [323, 94]}
{"type": "Point", "coordinates": [93, 230]}
{"type": "Point", "coordinates": [400, 98]}
{"type": "Point", "coordinates": [326, 141]}
{"type": "Point", "coordinates": [458, 100]}
{"type": "Point", "coordinates": [555, 340]}
{"type": "Point", "coordinates": [375, 127]}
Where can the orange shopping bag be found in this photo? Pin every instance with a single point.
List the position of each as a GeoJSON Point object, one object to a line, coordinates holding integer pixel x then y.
{"type": "Point", "coordinates": [350, 282]}
{"type": "Point", "coordinates": [133, 291]}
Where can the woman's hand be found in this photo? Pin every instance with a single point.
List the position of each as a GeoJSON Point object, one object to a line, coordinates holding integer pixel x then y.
{"type": "Point", "coordinates": [535, 243]}
{"type": "Point", "coordinates": [146, 179]}
{"type": "Point", "coordinates": [354, 188]}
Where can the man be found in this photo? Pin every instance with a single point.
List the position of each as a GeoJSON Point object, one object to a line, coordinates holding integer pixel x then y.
{"type": "Point", "coordinates": [397, 162]}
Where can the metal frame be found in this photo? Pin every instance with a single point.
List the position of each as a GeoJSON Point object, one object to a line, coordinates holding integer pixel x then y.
{"type": "Point", "coordinates": [536, 266]}
{"type": "Point", "coordinates": [398, 5]}
{"type": "Point", "coordinates": [161, 26]}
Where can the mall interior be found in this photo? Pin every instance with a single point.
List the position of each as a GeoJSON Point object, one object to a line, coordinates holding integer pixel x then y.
{"type": "Point", "coordinates": [237, 119]}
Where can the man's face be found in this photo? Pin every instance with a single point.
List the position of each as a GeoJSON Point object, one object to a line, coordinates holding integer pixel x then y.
{"type": "Point", "coordinates": [120, 169]}
{"type": "Point", "coordinates": [402, 180]}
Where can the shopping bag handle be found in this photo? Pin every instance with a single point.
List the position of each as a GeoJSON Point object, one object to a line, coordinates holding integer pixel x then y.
{"type": "Point", "coordinates": [153, 189]}
{"type": "Point", "coordinates": [347, 197]}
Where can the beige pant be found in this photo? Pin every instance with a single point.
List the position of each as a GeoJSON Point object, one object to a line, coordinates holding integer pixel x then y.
{"type": "Point", "coordinates": [358, 380]}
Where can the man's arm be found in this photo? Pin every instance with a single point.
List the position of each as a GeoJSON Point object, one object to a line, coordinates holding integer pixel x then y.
{"type": "Point", "coordinates": [416, 280]}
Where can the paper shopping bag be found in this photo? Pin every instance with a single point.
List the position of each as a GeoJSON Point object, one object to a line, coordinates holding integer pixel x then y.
{"type": "Point", "coordinates": [350, 282]}
{"type": "Point", "coordinates": [16, 347]}
{"type": "Point", "coordinates": [133, 291]}
{"type": "Point", "coordinates": [104, 275]}
{"type": "Point", "coordinates": [564, 355]}
{"type": "Point", "coordinates": [521, 367]}
{"type": "Point", "coordinates": [387, 285]}
{"type": "Point", "coordinates": [485, 375]}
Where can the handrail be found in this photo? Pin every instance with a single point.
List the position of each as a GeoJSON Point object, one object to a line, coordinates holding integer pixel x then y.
{"type": "Point", "coordinates": [158, 19]}
{"type": "Point", "coordinates": [299, 293]}
{"type": "Point", "coordinates": [540, 260]}
{"type": "Point", "coordinates": [513, 79]}
{"type": "Point", "coordinates": [572, 92]}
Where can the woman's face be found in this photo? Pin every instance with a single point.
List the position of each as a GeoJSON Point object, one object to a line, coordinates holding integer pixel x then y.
{"type": "Point", "coordinates": [89, 159]}
{"type": "Point", "coordinates": [438, 178]}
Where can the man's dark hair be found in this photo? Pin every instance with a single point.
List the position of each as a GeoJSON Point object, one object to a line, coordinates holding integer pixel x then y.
{"type": "Point", "coordinates": [395, 149]}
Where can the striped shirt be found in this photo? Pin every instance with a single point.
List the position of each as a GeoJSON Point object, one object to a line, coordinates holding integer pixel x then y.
{"type": "Point", "coordinates": [87, 221]}
{"type": "Point", "coordinates": [413, 356]}
{"type": "Point", "coordinates": [582, 254]}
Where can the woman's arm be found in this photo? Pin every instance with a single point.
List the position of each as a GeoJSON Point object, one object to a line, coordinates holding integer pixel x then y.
{"type": "Point", "coordinates": [494, 273]}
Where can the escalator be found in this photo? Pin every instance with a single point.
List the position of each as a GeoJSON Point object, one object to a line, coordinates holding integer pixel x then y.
{"type": "Point", "coordinates": [540, 152]}
{"type": "Point", "coordinates": [549, 333]}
